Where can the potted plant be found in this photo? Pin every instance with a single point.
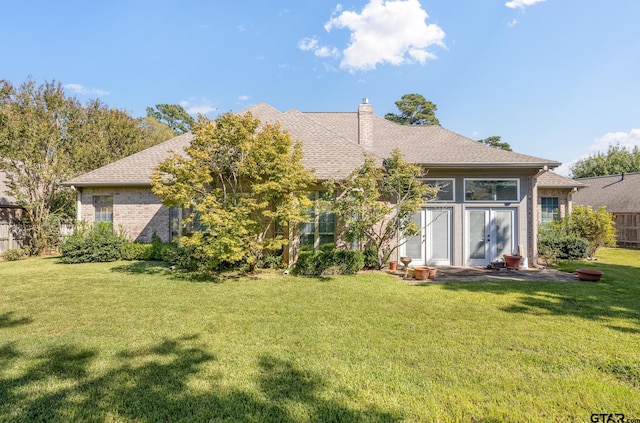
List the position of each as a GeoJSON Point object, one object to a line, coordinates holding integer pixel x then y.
{"type": "Point", "coordinates": [512, 261]}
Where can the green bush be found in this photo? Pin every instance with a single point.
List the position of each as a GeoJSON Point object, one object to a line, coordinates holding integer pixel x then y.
{"type": "Point", "coordinates": [96, 243]}
{"type": "Point", "coordinates": [564, 247]}
{"type": "Point", "coordinates": [328, 261]}
{"type": "Point", "coordinates": [137, 251]}
{"type": "Point", "coordinates": [370, 258]}
{"type": "Point", "coordinates": [14, 254]}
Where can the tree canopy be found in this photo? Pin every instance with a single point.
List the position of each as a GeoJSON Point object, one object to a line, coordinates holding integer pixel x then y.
{"type": "Point", "coordinates": [376, 203]}
{"type": "Point", "coordinates": [414, 110]}
{"type": "Point", "coordinates": [47, 137]}
{"type": "Point", "coordinates": [243, 181]}
{"type": "Point", "coordinates": [495, 142]}
{"type": "Point", "coordinates": [173, 115]}
{"type": "Point", "coordinates": [618, 159]}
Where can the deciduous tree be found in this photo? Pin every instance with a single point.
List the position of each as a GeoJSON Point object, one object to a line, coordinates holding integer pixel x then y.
{"type": "Point", "coordinates": [241, 179]}
{"type": "Point", "coordinates": [616, 160]}
{"type": "Point", "coordinates": [376, 203]}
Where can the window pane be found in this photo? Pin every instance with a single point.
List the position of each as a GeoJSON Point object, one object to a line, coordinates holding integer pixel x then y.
{"type": "Point", "coordinates": [327, 240]}
{"type": "Point", "coordinates": [549, 206]}
{"type": "Point", "coordinates": [445, 192]}
{"type": "Point", "coordinates": [491, 190]}
{"type": "Point", "coordinates": [326, 222]}
{"type": "Point", "coordinates": [103, 206]}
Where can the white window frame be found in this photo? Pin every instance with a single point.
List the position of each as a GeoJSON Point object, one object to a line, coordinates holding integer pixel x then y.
{"type": "Point", "coordinates": [517, 180]}
{"type": "Point", "coordinates": [98, 213]}
{"type": "Point", "coordinates": [315, 196]}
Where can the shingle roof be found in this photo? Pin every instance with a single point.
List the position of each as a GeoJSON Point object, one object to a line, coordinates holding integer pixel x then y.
{"type": "Point", "coordinates": [135, 170]}
{"type": "Point", "coordinates": [618, 193]}
{"type": "Point", "coordinates": [553, 180]}
{"type": "Point", "coordinates": [330, 145]}
{"type": "Point", "coordinates": [430, 145]}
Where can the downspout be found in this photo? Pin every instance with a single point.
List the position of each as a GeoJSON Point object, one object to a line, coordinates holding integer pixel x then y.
{"type": "Point", "coordinates": [78, 203]}
{"type": "Point", "coordinates": [534, 213]}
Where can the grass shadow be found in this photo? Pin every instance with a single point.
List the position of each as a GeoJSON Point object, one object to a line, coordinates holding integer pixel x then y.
{"type": "Point", "coordinates": [8, 321]}
{"type": "Point", "coordinates": [615, 296]}
{"type": "Point", "coordinates": [155, 383]}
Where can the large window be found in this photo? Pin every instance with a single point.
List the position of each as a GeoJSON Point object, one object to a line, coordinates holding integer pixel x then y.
{"type": "Point", "coordinates": [549, 209]}
{"type": "Point", "coordinates": [491, 189]}
{"type": "Point", "coordinates": [320, 229]}
{"type": "Point", "coordinates": [103, 206]}
{"type": "Point", "coordinates": [446, 188]}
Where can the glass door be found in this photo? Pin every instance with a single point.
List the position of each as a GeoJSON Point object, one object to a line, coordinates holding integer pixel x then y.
{"type": "Point", "coordinates": [433, 244]}
{"type": "Point", "coordinates": [490, 234]}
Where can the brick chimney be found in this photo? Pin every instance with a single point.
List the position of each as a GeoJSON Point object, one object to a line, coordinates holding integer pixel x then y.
{"type": "Point", "coordinates": [365, 124]}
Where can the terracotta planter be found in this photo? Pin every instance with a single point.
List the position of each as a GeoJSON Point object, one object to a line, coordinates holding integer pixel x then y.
{"type": "Point", "coordinates": [393, 265]}
{"type": "Point", "coordinates": [589, 275]}
{"type": "Point", "coordinates": [432, 272]}
{"type": "Point", "coordinates": [512, 262]}
{"type": "Point", "coordinates": [422, 272]}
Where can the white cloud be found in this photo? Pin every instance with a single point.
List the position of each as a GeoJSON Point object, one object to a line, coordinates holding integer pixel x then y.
{"type": "Point", "coordinates": [244, 97]}
{"type": "Point", "coordinates": [627, 140]}
{"type": "Point", "coordinates": [81, 89]}
{"type": "Point", "coordinates": [513, 23]}
{"type": "Point", "coordinates": [201, 107]}
{"type": "Point", "coordinates": [521, 4]}
{"type": "Point", "coordinates": [601, 144]}
{"type": "Point", "coordinates": [385, 31]}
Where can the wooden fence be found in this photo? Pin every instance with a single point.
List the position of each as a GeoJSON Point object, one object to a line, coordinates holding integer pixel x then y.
{"type": "Point", "coordinates": [12, 235]}
{"type": "Point", "coordinates": [628, 226]}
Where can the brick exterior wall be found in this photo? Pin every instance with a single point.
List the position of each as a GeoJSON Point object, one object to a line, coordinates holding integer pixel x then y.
{"type": "Point", "coordinates": [564, 201]}
{"type": "Point", "coordinates": [137, 210]}
{"type": "Point", "coordinates": [365, 125]}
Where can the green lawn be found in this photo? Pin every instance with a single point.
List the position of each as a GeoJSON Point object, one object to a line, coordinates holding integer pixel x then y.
{"type": "Point", "coordinates": [132, 342]}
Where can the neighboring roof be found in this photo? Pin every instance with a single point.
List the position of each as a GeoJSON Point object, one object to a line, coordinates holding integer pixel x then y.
{"type": "Point", "coordinates": [135, 170]}
{"type": "Point", "coordinates": [553, 180]}
{"type": "Point", "coordinates": [6, 200]}
{"type": "Point", "coordinates": [618, 193]}
{"type": "Point", "coordinates": [330, 146]}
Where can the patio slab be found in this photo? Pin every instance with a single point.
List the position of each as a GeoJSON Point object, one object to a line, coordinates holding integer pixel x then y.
{"type": "Point", "coordinates": [462, 274]}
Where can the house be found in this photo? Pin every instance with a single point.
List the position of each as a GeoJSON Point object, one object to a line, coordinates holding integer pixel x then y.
{"type": "Point", "coordinates": [486, 206]}
{"type": "Point", "coordinates": [555, 196]}
{"type": "Point", "coordinates": [10, 211]}
{"type": "Point", "coordinates": [620, 194]}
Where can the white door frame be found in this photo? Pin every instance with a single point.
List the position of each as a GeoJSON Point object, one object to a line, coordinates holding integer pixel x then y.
{"type": "Point", "coordinates": [495, 238]}
{"type": "Point", "coordinates": [423, 253]}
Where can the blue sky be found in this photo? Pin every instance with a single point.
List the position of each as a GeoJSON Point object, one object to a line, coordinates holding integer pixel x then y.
{"type": "Point", "coordinates": [558, 79]}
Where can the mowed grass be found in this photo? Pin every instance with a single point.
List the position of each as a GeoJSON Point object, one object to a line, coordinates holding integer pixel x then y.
{"type": "Point", "coordinates": [134, 342]}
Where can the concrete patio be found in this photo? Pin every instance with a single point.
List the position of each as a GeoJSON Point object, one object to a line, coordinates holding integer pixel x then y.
{"type": "Point", "coordinates": [462, 274]}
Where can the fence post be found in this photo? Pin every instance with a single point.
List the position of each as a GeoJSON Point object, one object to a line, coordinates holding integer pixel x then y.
{"type": "Point", "coordinates": [10, 232]}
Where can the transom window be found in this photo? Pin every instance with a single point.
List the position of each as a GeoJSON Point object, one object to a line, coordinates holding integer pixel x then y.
{"type": "Point", "coordinates": [103, 206]}
{"type": "Point", "coordinates": [446, 191]}
{"type": "Point", "coordinates": [549, 209]}
{"type": "Point", "coordinates": [320, 229]}
{"type": "Point", "coordinates": [491, 189]}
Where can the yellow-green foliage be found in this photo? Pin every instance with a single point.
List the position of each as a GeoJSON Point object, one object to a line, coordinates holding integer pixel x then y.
{"type": "Point", "coordinates": [597, 227]}
{"type": "Point", "coordinates": [241, 178]}
{"type": "Point", "coordinates": [375, 202]}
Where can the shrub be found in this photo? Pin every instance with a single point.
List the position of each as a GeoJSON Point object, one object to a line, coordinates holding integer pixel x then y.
{"type": "Point", "coordinates": [136, 251]}
{"type": "Point", "coordinates": [97, 243]}
{"type": "Point", "coordinates": [563, 247]}
{"type": "Point", "coordinates": [271, 261]}
{"type": "Point", "coordinates": [598, 227]}
{"type": "Point", "coordinates": [328, 262]}
{"type": "Point", "coordinates": [370, 258]}
{"type": "Point", "coordinates": [14, 254]}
